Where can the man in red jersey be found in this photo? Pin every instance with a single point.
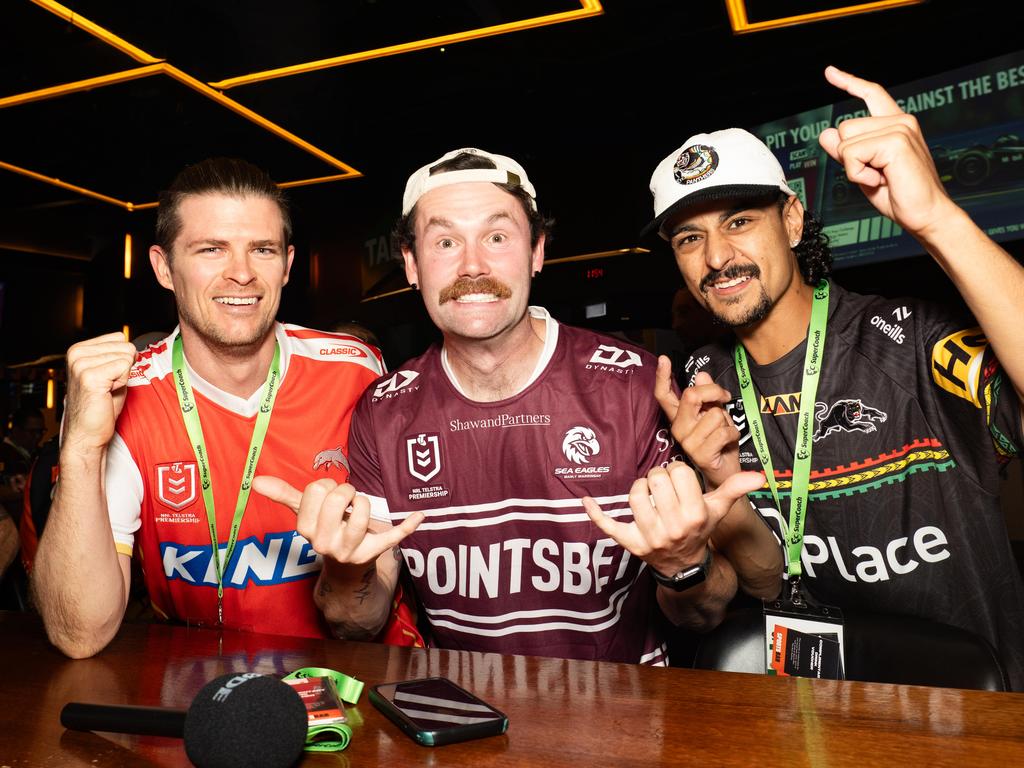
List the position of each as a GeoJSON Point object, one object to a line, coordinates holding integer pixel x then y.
{"type": "Point", "coordinates": [480, 451]}
{"type": "Point", "coordinates": [159, 448]}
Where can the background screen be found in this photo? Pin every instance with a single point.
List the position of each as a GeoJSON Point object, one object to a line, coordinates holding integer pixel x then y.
{"type": "Point", "coordinates": [973, 121]}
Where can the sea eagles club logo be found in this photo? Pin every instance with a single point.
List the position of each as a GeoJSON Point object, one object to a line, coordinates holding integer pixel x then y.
{"type": "Point", "coordinates": [424, 454]}
{"type": "Point", "coordinates": [579, 444]}
{"type": "Point", "coordinates": [176, 484]}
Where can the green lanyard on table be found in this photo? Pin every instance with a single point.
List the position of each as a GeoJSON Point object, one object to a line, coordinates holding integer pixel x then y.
{"type": "Point", "coordinates": [195, 435]}
{"type": "Point", "coordinates": [332, 737]}
{"type": "Point", "coordinates": [804, 429]}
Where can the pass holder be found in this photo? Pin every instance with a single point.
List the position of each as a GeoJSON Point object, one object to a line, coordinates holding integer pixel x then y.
{"type": "Point", "coordinates": [323, 692]}
{"type": "Point", "coordinates": [803, 638]}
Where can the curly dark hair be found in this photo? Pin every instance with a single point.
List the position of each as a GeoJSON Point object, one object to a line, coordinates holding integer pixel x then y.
{"type": "Point", "coordinates": [813, 254]}
{"type": "Point", "coordinates": [404, 233]}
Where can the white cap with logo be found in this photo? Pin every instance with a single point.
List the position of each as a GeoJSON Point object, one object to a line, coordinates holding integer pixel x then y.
{"type": "Point", "coordinates": [722, 165]}
{"type": "Point", "coordinates": [506, 171]}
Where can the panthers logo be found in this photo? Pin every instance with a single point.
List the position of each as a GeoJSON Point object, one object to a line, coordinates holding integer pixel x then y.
{"type": "Point", "coordinates": [695, 164]}
{"type": "Point", "coordinates": [579, 444]}
{"type": "Point", "coordinates": [845, 416]}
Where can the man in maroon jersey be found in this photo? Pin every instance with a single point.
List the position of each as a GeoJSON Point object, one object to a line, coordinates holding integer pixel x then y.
{"type": "Point", "coordinates": [482, 448]}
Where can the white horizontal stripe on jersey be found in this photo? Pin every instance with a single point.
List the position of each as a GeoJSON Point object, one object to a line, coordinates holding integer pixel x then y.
{"type": "Point", "coordinates": [516, 516]}
{"type": "Point", "coordinates": [542, 613]}
{"type": "Point", "coordinates": [491, 506]}
{"type": "Point", "coordinates": [546, 626]}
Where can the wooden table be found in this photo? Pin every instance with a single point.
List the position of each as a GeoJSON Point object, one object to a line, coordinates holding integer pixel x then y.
{"type": "Point", "coordinates": [562, 713]}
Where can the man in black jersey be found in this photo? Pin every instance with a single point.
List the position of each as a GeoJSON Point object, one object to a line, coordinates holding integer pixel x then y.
{"type": "Point", "coordinates": [912, 407]}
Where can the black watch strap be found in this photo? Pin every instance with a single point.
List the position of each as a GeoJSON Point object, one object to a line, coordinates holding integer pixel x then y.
{"type": "Point", "coordinates": [687, 577]}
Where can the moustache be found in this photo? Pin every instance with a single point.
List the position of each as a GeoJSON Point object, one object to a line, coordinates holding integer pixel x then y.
{"type": "Point", "coordinates": [729, 273]}
{"type": "Point", "coordinates": [465, 286]}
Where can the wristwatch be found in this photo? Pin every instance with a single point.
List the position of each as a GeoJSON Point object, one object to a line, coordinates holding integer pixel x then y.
{"type": "Point", "coordinates": [686, 578]}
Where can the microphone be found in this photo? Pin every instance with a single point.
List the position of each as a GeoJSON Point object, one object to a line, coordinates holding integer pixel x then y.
{"type": "Point", "coordinates": [236, 720]}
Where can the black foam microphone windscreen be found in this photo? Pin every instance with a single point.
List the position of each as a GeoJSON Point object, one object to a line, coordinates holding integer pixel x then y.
{"type": "Point", "coordinates": [236, 720]}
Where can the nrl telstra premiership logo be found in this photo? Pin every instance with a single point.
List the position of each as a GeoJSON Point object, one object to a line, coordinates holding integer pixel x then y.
{"type": "Point", "coordinates": [423, 452]}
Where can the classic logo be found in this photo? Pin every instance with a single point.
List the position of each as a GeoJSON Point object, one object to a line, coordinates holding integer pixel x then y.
{"type": "Point", "coordinates": [579, 444]}
{"type": "Point", "coordinates": [695, 164]}
{"type": "Point", "coordinates": [394, 385]}
{"type": "Point", "coordinates": [138, 371]}
{"type": "Point", "coordinates": [332, 457]}
{"type": "Point", "coordinates": [424, 454]}
{"type": "Point", "coordinates": [341, 350]}
{"type": "Point", "coordinates": [849, 415]}
{"type": "Point", "coordinates": [176, 484]}
{"type": "Point", "coordinates": [620, 358]}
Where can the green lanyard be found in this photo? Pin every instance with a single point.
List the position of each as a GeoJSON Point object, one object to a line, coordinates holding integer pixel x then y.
{"type": "Point", "coordinates": [195, 434]}
{"type": "Point", "coordinates": [804, 429]}
{"type": "Point", "coordinates": [332, 737]}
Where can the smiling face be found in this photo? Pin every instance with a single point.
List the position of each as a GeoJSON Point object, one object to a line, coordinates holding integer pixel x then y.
{"type": "Point", "coordinates": [473, 259]}
{"type": "Point", "coordinates": [736, 256]}
{"type": "Point", "coordinates": [227, 269]}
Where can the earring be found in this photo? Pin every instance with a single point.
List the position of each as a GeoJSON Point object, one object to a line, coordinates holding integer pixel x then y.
{"type": "Point", "coordinates": [794, 244]}
{"type": "Point", "coordinates": [414, 286]}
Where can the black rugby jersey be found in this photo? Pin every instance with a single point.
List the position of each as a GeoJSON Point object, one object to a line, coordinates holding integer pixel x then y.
{"type": "Point", "coordinates": [913, 418]}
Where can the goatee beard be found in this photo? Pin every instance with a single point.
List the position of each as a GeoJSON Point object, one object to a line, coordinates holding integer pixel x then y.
{"type": "Point", "coordinates": [755, 314]}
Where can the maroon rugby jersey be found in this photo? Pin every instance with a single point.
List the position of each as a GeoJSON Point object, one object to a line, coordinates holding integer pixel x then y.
{"type": "Point", "coordinates": [506, 559]}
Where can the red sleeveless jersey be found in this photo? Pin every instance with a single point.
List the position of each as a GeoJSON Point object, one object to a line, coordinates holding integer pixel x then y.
{"type": "Point", "coordinates": [153, 482]}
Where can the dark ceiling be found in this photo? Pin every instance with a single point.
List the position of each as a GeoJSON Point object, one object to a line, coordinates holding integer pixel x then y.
{"type": "Point", "coordinates": [588, 106]}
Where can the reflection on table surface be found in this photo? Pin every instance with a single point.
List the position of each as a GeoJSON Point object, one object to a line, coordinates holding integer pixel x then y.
{"type": "Point", "coordinates": [561, 713]}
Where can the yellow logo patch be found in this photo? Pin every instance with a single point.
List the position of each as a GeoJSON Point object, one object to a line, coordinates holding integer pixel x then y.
{"type": "Point", "coordinates": [957, 363]}
{"type": "Point", "coordinates": [777, 405]}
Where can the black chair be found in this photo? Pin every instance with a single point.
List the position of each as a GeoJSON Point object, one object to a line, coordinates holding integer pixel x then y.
{"type": "Point", "coordinates": [879, 648]}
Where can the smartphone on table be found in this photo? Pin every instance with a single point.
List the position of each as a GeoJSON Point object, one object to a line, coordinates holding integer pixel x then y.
{"type": "Point", "coordinates": [435, 711]}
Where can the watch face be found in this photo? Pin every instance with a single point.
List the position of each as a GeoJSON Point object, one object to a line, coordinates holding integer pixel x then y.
{"type": "Point", "coordinates": [687, 578]}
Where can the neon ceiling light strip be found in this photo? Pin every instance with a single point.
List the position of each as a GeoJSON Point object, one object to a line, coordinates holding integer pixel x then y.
{"type": "Point", "coordinates": [587, 9]}
{"type": "Point", "coordinates": [154, 66]}
{"type": "Point", "coordinates": [737, 10]}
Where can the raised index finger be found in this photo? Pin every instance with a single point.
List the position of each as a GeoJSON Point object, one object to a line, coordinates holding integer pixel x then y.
{"type": "Point", "coordinates": [876, 98]}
